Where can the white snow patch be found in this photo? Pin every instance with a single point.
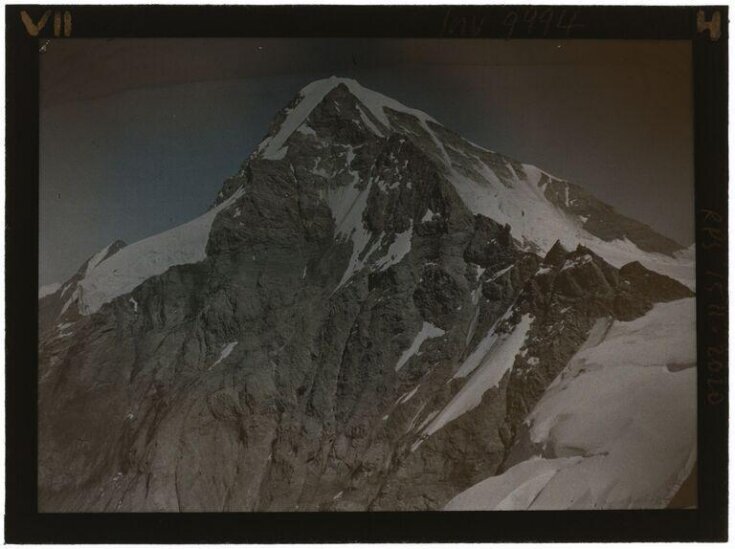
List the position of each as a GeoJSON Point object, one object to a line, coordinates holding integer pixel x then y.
{"type": "Point", "coordinates": [475, 317]}
{"type": "Point", "coordinates": [226, 350]}
{"type": "Point", "coordinates": [571, 263]}
{"type": "Point", "coordinates": [496, 358]}
{"type": "Point", "coordinates": [348, 204]}
{"type": "Point", "coordinates": [427, 419]}
{"type": "Point", "coordinates": [96, 259]}
{"type": "Point", "coordinates": [306, 130]}
{"type": "Point", "coordinates": [501, 272]}
{"type": "Point", "coordinates": [419, 442]}
{"type": "Point", "coordinates": [317, 170]}
{"type": "Point", "coordinates": [398, 249]}
{"type": "Point", "coordinates": [368, 123]}
{"type": "Point", "coordinates": [409, 395]}
{"type": "Point", "coordinates": [134, 304]}
{"type": "Point", "coordinates": [483, 348]}
{"type": "Point", "coordinates": [74, 296]}
{"type": "Point", "coordinates": [515, 489]}
{"type": "Point", "coordinates": [278, 155]}
{"type": "Point", "coordinates": [412, 423]}
{"type": "Point", "coordinates": [429, 216]}
{"type": "Point", "coordinates": [63, 329]}
{"type": "Point", "coordinates": [428, 331]}
{"type": "Point", "coordinates": [349, 155]}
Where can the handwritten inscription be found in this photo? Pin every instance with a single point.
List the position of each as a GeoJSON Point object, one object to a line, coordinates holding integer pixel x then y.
{"type": "Point", "coordinates": [713, 25]}
{"type": "Point", "coordinates": [534, 22]}
{"type": "Point", "coordinates": [714, 293]}
{"type": "Point", "coordinates": [462, 25]}
{"type": "Point", "coordinates": [34, 28]}
{"type": "Point", "coordinates": [541, 21]}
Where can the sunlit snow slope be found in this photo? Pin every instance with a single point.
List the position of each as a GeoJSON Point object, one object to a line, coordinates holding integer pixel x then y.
{"type": "Point", "coordinates": [616, 429]}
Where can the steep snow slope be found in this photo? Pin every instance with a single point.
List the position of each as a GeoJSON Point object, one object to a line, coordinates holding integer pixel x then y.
{"type": "Point", "coordinates": [121, 273]}
{"type": "Point", "coordinates": [617, 427]}
{"type": "Point", "coordinates": [497, 358]}
{"type": "Point", "coordinates": [533, 218]}
{"type": "Point", "coordinates": [428, 331]}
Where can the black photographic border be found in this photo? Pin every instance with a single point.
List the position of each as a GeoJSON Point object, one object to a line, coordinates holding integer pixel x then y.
{"type": "Point", "coordinates": [23, 523]}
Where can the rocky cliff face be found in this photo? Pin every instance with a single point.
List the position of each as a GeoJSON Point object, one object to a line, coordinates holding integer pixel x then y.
{"type": "Point", "coordinates": [368, 318]}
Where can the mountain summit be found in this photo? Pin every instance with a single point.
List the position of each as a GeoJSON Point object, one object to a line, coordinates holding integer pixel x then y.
{"type": "Point", "coordinates": [375, 314]}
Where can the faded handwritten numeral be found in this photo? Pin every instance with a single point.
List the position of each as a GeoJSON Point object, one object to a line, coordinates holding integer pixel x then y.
{"type": "Point", "coordinates": [541, 19]}
{"type": "Point", "coordinates": [509, 22]}
{"type": "Point", "coordinates": [567, 20]}
{"type": "Point", "coordinates": [713, 25]}
{"type": "Point", "coordinates": [529, 17]}
{"type": "Point", "coordinates": [67, 23]}
{"type": "Point", "coordinates": [34, 28]}
{"type": "Point", "coordinates": [546, 17]}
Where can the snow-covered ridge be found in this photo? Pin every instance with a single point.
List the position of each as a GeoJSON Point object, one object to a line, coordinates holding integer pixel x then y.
{"type": "Point", "coordinates": [125, 270]}
{"type": "Point", "coordinates": [533, 218]}
{"type": "Point", "coordinates": [97, 258]}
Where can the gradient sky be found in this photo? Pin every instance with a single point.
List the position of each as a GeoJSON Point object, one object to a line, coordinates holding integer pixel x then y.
{"type": "Point", "coordinates": [137, 135]}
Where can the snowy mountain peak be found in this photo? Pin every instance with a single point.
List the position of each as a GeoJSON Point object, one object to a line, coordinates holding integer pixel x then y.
{"type": "Point", "coordinates": [313, 94]}
{"type": "Point", "coordinates": [376, 102]}
{"type": "Point", "coordinates": [373, 293]}
{"type": "Point", "coordinates": [360, 149]}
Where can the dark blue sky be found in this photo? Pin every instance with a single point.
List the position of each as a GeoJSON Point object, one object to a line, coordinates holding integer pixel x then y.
{"type": "Point", "coordinates": [137, 136]}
